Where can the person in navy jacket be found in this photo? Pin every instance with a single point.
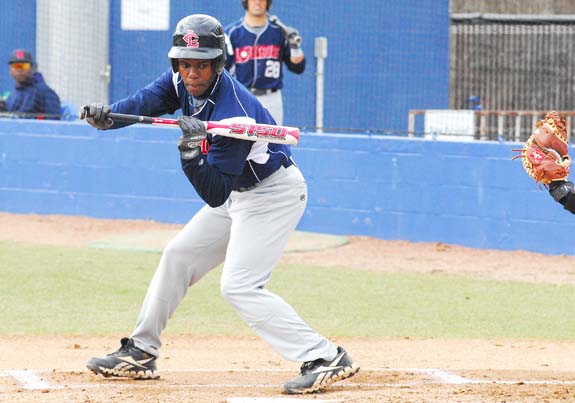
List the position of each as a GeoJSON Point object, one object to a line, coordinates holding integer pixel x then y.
{"type": "Point", "coordinates": [255, 196]}
{"type": "Point", "coordinates": [257, 50]}
{"type": "Point", "coordinates": [31, 97]}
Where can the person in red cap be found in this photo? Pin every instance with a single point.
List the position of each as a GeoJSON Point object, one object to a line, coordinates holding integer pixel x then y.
{"type": "Point", "coordinates": [31, 97]}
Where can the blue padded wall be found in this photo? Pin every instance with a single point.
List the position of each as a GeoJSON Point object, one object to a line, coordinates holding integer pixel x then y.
{"type": "Point", "coordinates": [467, 193]}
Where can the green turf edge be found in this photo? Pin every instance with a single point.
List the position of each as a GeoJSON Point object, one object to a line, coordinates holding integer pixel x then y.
{"type": "Point", "coordinates": [59, 290]}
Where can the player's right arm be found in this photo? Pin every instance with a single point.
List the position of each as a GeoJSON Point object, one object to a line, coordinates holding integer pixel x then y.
{"type": "Point", "coordinates": [564, 193]}
{"type": "Point", "coordinates": [156, 99]}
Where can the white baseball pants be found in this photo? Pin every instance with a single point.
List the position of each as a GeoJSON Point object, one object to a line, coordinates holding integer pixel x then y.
{"type": "Point", "coordinates": [248, 233]}
{"type": "Point", "coordinates": [273, 102]}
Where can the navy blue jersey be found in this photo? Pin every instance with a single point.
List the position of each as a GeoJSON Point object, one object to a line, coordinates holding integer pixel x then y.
{"type": "Point", "coordinates": [34, 97]}
{"type": "Point", "coordinates": [256, 59]}
{"type": "Point", "coordinates": [231, 163]}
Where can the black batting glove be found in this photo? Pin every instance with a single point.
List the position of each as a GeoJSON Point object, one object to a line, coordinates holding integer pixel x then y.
{"type": "Point", "coordinates": [96, 115]}
{"type": "Point", "coordinates": [294, 39]}
{"type": "Point", "coordinates": [290, 33]}
{"type": "Point", "coordinates": [193, 132]}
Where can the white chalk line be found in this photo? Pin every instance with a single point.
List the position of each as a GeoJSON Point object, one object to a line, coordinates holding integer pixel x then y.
{"type": "Point", "coordinates": [31, 380]}
{"type": "Point", "coordinates": [28, 379]}
{"type": "Point", "coordinates": [277, 400]}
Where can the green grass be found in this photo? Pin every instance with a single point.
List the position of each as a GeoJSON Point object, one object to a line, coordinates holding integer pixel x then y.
{"type": "Point", "coordinates": [57, 290]}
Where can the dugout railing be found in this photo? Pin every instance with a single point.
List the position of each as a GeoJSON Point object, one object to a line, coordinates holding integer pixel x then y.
{"type": "Point", "coordinates": [489, 125]}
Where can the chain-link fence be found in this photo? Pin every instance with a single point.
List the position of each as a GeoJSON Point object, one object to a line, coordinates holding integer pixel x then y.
{"type": "Point", "coordinates": [512, 62]}
{"type": "Point", "coordinates": [72, 49]}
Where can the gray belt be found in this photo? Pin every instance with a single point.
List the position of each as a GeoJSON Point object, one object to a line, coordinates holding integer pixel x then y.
{"type": "Point", "coordinates": [245, 189]}
{"type": "Point", "coordinates": [258, 92]}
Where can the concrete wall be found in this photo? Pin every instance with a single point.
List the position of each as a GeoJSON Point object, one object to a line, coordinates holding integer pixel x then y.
{"type": "Point", "coordinates": [466, 193]}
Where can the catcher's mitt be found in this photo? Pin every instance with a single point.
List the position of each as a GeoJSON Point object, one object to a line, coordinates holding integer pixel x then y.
{"type": "Point", "coordinates": [545, 154]}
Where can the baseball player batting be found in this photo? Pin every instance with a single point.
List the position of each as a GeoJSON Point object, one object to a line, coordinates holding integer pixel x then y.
{"type": "Point", "coordinates": [255, 195]}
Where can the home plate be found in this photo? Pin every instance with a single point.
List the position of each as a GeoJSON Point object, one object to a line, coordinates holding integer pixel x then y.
{"type": "Point", "coordinates": [275, 400]}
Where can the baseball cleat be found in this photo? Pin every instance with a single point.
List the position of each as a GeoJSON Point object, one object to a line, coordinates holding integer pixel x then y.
{"type": "Point", "coordinates": [129, 361]}
{"type": "Point", "coordinates": [319, 374]}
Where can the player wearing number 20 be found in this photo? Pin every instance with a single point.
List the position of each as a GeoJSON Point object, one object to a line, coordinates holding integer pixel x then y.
{"type": "Point", "coordinates": [257, 48]}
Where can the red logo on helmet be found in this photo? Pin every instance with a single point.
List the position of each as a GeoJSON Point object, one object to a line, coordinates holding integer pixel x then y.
{"type": "Point", "coordinates": [20, 54]}
{"type": "Point", "coordinates": [192, 40]}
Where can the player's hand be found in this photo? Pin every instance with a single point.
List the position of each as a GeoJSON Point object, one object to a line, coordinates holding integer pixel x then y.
{"type": "Point", "coordinates": [96, 115]}
{"type": "Point", "coordinates": [293, 37]}
{"type": "Point", "coordinates": [193, 132]}
{"type": "Point", "coordinates": [291, 34]}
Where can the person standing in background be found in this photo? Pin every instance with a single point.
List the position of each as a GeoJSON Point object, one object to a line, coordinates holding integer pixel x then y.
{"type": "Point", "coordinates": [257, 47]}
{"type": "Point", "coordinates": [31, 97]}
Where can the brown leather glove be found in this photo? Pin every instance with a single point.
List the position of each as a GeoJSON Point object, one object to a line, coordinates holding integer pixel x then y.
{"type": "Point", "coordinates": [545, 154]}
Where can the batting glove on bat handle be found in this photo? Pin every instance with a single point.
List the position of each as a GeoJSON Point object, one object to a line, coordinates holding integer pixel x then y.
{"type": "Point", "coordinates": [96, 115]}
{"type": "Point", "coordinates": [193, 133]}
{"type": "Point", "coordinates": [291, 34]}
{"type": "Point", "coordinates": [294, 39]}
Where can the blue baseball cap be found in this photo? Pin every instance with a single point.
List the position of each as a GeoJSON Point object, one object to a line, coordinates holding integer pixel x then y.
{"type": "Point", "coordinates": [21, 56]}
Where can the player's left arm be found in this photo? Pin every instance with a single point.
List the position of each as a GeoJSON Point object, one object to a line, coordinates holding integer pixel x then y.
{"type": "Point", "coordinates": [294, 58]}
{"type": "Point", "coordinates": [295, 64]}
{"type": "Point", "coordinates": [564, 193]}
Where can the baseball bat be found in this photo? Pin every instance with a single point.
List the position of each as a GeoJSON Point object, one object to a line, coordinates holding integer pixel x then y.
{"type": "Point", "coordinates": [243, 131]}
{"type": "Point", "coordinates": [285, 29]}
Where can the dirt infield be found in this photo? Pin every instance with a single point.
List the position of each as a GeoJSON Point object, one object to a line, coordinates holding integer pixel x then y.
{"type": "Point", "coordinates": [215, 369]}
{"type": "Point", "coordinates": [243, 369]}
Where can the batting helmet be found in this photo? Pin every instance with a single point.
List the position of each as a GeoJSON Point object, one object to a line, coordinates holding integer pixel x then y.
{"type": "Point", "coordinates": [199, 36]}
{"type": "Point", "coordinates": [268, 5]}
